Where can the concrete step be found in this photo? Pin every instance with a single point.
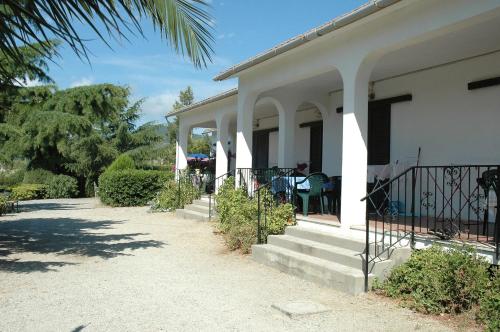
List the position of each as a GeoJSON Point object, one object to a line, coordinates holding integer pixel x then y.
{"type": "Point", "coordinates": [321, 271]}
{"type": "Point", "coordinates": [203, 202]}
{"type": "Point", "coordinates": [197, 208]}
{"type": "Point", "coordinates": [347, 257]}
{"type": "Point", "coordinates": [333, 239]}
{"type": "Point", "coordinates": [189, 214]}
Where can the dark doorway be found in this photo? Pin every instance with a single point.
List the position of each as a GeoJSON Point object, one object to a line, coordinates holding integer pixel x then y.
{"type": "Point", "coordinates": [260, 149]}
{"type": "Point", "coordinates": [379, 133]}
{"type": "Point", "coordinates": [316, 147]}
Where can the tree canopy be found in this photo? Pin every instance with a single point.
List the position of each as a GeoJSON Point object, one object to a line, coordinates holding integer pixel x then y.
{"type": "Point", "coordinates": [77, 131]}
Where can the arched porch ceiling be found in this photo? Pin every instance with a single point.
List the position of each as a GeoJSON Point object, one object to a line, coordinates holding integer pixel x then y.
{"type": "Point", "coordinates": [468, 42]}
{"type": "Point", "coordinates": [474, 40]}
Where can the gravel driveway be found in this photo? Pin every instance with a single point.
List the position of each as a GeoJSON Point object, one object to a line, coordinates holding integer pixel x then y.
{"type": "Point", "coordinates": [73, 265]}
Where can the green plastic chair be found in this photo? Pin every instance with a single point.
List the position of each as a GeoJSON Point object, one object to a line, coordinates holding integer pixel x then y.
{"type": "Point", "coordinates": [316, 182]}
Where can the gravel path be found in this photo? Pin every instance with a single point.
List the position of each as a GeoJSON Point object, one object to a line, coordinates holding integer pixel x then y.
{"type": "Point", "coordinates": [73, 265]}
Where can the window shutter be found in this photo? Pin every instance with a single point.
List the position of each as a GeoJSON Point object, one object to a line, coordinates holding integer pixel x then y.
{"type": "Point", "coordinates": [379, 133]}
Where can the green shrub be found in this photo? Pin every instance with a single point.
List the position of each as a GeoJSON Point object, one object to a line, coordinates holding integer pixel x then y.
{"type": "Point", "coordinates": [436, 281]}
{"type": "Point", "coordinates": [62, 186]}
{"type": "Point", "coordinates": [241, 236]}
{"type": "Point", "coordinates": [234, 207]}
{"type": "Point", "coordinates": [3, 204]}
{"type": "Point", "coordinates": [489, 312]}
{"type": "Point", "coordinates": [238, 214]}
{"type": "Point", "coordinates": [27, 191]}
{"type": "Point", "coordinates": [12, 178]}
{"type": "Point", "coordinates": [278, 218]}
{"type": "Point", "coordinates": [168, 199]}
{"type": "Point", "coordinates": [130, 187]}
{"type": "Point", "coordinates": [38, 176]}
{"type": "Point", "coordinates": [121, 163]}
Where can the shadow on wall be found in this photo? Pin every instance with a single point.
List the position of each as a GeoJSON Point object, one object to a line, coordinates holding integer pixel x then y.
{"type": "Point", "coordinates": [63, 236]}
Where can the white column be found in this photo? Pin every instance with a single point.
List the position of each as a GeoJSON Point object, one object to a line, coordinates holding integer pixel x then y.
{"type": "Point", "coordinates": [246, 103]}
{"type": "Point", "coordinates": [182, 145]}
{"type": "Point", "coordinates": [286, 140]}
{"type": "Point", "coordinates": [222, 148]}
{"type": "Point", "coordinates": [354, 145]}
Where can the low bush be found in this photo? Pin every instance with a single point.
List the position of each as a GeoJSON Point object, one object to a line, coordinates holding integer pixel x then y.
{"type": "Point", "coordinates": [11, 178]}
{"type": "Point", "coordinates": [437, 281]}
{"type": "Point", "coordinates": [238, 213]}
{"type": "Point", "coordinates": [121, 163]}
{"type": "Point", "coordinates": [29, 191]}
{"type": "Point", "coordinates": [62, 186]}
{"type": "Point", "coordinates": [130, 187]}
{"type": "Point", "coordinates": [38, 176]}
{"type": "Point", "coordinates": [3, 204]}
{"type": "Point", "coordinates": [489, 310]}
{"type": "Point", "coordinates": [169, 199]}
{"type": "Point", "coordinates": [278, 218]}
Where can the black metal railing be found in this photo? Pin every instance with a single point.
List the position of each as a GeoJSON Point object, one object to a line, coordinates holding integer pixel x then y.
{"type": "Point", "coordinates": [202, 181]}
{"type": "Point", "coordinates": [456, 202]}
{"type": "Point", "coordinates": [253, 178]}
{"type": "Point", "coordinates": [278, 190]}
{"type": "Point", "coordinates": [215, 184]}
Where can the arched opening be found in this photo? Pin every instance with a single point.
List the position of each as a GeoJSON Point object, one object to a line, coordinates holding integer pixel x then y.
{"type": "Point", "coordinates": [201, 147]}
{"type": "Point", "coordinates": [265, 138]}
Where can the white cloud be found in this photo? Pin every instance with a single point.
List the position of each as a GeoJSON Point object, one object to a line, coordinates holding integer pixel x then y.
{"type": "Point", "coordinates": [156, 107]}
{"type": "Point", "coordinates": [82, 81]}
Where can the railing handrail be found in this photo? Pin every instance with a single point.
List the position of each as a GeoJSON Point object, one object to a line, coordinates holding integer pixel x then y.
{"type": "Point", "coordinates": [221, 176]}
{"type": "Point", "coordinates": [422, 167]}
{"type": "Point", "coordinates": [214, 182]}
{"type": "Point", "coordinates": [394, 179]}
{"type": "Point", "coordinates": [278, 176]}
{"type": "Point", "coordinates": [444, 201]}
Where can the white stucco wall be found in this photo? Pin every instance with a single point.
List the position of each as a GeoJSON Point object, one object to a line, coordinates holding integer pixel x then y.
{"type": "Point", "coordinates": [451, 124]}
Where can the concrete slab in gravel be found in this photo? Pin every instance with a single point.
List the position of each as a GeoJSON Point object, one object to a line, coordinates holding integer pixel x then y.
{"type": "Point", "coordinates": [300, 308]}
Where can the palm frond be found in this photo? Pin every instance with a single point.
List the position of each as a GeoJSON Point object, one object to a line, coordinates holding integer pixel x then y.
{"type": "Point", "coordinates": [185, 24]}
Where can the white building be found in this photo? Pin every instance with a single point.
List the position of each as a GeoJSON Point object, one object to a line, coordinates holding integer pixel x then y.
{"type": "Point", "coordinates": [368, 88]}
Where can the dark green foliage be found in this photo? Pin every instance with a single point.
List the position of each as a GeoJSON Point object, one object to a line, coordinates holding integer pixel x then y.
{"type": "Point", "coordinates": [130, 187]}
{"type": "Point", "coordinates": [489, 311]}
{"type": "Point", "coordinates": [38, 176]}
{"type": "Point", "coordinates": [11, 178]}
{"type": "Point", "coordinates": [121, 163]}
{"type": "Point", "coordinates": [77, 131]}
{"type": "Point", "coordinates": [62, 186]}
{"type": "Point", "coordinates": [439, 281]}
{"type": "Point", "coordinates": [27, 191]}
{"type": "Point", "coordinates": [199, 144]}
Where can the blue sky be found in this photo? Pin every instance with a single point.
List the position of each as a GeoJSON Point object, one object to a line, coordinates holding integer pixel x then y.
{"type": "Point", "coordinates": [242, 28]}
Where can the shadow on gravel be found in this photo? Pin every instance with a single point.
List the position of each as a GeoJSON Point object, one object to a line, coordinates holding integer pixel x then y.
{"type": "Point", "coordinates": [17, 266]}
{"type": "Point", "coordinates": [63, 236]}
{"type": "Point", "coordinates": [36, 206]}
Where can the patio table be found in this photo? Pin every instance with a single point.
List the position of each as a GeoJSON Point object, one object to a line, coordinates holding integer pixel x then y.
{"type": "Point", "coordinates": [287, 184]}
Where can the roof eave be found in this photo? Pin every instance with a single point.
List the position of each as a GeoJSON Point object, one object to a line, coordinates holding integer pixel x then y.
{"type": "Point", "coordinates": [337, 23]}
{"type": "Point", "coordinates": [220, 96]}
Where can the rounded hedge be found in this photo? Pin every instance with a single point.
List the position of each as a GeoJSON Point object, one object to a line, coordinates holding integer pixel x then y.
{"type": "Point", "coordinates": [131, 187]}
{"type": "Point", "coordinates": [121, 163]}
{"type": "Point", "coordinates": [62, 186]}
